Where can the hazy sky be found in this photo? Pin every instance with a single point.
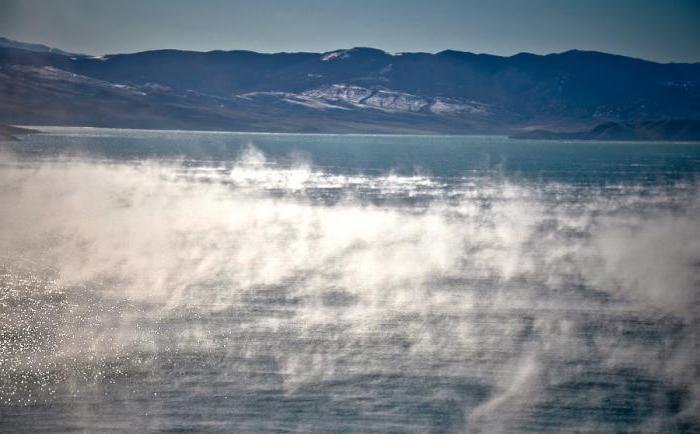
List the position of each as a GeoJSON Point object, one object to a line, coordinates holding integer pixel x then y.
{"type": "Point", "coordinates": [664, 30]}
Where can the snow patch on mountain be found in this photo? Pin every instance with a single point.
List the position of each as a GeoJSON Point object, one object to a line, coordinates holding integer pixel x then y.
{"type": "Point", "coordinates": [349, 96]}
{"type": "Point", "coordinates": [358, 96]}
{"type": "Point", "coordinates": [442, 105]}
{"type": "Point", "coordinates": [396, 101]}
{"type": "Point", "coordinates": [291, 98]}
{"type": "Point", "coordinates": [340, 92]}
{"type": "Point", "coordinates": [50, 73]}
{"type": "Point", "coordinates": [311, 103]}
{"type": "Point", "coordinates": [335, 55]}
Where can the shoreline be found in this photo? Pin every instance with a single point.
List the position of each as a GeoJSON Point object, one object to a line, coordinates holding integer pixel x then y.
{"type": "Point", "coordinates": [10, 132]}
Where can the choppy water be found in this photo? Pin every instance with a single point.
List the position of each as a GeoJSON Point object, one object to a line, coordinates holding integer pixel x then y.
{"type": "Point", "coordinates": [172, 281]}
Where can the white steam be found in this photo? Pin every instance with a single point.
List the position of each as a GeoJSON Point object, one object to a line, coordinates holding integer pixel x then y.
{"type": "Point", "coordinates": [488, 280]}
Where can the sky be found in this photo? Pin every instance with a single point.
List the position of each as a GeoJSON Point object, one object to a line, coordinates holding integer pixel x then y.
{"type": "Point", "coordinates": [661, 30]}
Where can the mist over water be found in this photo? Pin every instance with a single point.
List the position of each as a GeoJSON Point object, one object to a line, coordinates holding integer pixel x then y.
{"type": "Point", "coordinates": [281, 283]}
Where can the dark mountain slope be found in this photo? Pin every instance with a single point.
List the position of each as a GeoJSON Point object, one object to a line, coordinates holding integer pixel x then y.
{"type": "Point", "coordinates": [366, 88]}
{"type": "Point", "coordinates": [665, 130]}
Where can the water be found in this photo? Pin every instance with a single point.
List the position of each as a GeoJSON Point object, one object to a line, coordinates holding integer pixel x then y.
{"type": "Point", "coordinates": [178, 281]}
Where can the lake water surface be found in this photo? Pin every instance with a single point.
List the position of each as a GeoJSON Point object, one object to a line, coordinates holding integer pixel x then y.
{"type": "Point", "coordinates": [255, 283]}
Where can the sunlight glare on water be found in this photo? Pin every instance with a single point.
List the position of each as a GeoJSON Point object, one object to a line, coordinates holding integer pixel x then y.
{"type": "Point", "coordinates": [301, 283]}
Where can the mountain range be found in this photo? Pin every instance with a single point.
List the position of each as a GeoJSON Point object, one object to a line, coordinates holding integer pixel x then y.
{"type": "Point", "coordinates": [675, 130]}
{"type": "Point", "coordinates": [349, 90]}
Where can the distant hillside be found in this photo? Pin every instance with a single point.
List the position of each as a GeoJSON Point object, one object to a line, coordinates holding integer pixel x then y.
{"type": "Point", "coordinates": [9, 133]}
{"type": "Point", "coordinates": [354, 90]}
{"type": "Point", "coordinates": [666, 130]}
{"type": "Point", "coordinates": [39, 48]}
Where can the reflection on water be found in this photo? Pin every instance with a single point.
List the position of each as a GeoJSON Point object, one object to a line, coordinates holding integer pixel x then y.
{"type": "Point", "coordinates": [276, 290]}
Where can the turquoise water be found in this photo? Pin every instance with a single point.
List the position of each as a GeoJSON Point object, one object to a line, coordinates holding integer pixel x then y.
{"type": "Point", "coordinates": [598, 162]}
{"type": "Point", "coordinates": [193, 281]}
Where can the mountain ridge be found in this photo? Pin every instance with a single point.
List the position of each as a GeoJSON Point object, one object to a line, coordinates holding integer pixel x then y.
{"type": "Point", "coordinates": [661, 130]}
{"type": "Point", "coordinates": [360, 89]}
